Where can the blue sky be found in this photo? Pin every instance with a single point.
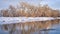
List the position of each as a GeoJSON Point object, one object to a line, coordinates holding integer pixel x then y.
{"type": "Point", "coordinates": [52, 3]}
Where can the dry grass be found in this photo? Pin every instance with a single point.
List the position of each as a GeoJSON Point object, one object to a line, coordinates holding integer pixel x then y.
{"type": "Point", "coordinates": [28, 10]}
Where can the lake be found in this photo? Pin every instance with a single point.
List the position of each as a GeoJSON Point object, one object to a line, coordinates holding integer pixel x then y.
{"type": "Point", "coordinates": [34, 27]}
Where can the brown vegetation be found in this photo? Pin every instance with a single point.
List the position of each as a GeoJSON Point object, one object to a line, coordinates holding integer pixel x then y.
{"type": "Point", "coordinates": [27, 10]}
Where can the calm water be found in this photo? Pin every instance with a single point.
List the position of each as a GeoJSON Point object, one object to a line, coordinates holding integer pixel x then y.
{"type": "Point", "coordinates": [41, 27]}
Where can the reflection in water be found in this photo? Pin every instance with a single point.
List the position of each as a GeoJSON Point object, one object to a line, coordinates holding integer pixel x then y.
{"type": "Point", "coordinates": [41, 27]}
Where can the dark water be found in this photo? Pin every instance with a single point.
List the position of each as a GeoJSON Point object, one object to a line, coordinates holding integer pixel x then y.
{"type": "Point", "coordinates": [46, 27]}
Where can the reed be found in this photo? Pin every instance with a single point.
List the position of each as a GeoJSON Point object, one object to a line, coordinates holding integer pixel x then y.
{"type": "Point", "coordinates": [27, 10]}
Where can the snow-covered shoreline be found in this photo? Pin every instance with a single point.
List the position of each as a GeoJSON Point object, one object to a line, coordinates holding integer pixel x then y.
{"type": "Point", "coordinates": [10, 20]}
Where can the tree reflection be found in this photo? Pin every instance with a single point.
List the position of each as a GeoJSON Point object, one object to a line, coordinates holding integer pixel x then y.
{"type": "Point", "coordinates": [30, 27]}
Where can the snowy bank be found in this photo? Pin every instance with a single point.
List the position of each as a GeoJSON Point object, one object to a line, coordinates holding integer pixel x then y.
{"type": "Point", "coordinates": [10, 20]}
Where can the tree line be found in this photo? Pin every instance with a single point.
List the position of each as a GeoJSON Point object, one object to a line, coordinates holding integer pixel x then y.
{"type": "Point", "coordinates": [27, 10]}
